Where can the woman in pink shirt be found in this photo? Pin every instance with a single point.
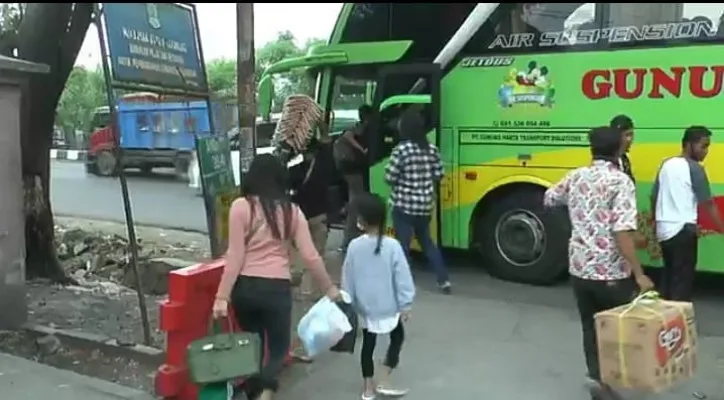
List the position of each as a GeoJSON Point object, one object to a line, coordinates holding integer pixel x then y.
{"type": "Point", "coordinates": [263, 225]}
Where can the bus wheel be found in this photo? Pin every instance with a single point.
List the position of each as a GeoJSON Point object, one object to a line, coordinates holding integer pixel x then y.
{"type": "Point", "coordinates": [106, 163]}
{"type": "Point", "coordinates": [521, 241]}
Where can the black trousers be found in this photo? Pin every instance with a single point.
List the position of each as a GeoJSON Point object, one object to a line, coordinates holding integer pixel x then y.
{"type": "Point", "coordinates": [264, 306]}
{"type": "Point", "coordinates": [392, 359]}
{"type": "Point", "coordinates": [680, 257]}
{"type": "Point", "coordinates": [592, 297]}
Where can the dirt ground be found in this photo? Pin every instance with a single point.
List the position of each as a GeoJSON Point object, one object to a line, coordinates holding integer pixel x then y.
{"type": "Point", "coordinates": [100, 305]}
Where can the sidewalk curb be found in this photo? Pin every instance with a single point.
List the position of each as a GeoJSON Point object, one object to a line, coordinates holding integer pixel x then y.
{"type": "Point", "coordinates": [69, 155]}
{"type": "Point", "coordinates": [137, 224]}
{"type": "Point", "coordinates": [110, 346]}
{"type": "Point", "coordinates": [144, 225]}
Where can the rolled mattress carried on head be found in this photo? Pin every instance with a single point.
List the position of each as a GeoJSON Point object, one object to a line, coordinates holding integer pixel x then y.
{"type": "Point", "coordinates": [300, 115]}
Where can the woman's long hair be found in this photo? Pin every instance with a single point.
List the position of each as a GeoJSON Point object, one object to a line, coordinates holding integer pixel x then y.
{"type": "Point", "coordinates": [412, 128]}
{"type": "Point", "coordinates": [266, 183]}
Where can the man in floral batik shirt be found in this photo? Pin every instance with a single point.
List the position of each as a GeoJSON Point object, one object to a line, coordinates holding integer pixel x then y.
{"type": "Point", "coordinates": [601, 201]}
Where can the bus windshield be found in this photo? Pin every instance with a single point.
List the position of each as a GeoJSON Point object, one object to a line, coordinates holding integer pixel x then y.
{"type": "Point", "coordinates": [428, 26]}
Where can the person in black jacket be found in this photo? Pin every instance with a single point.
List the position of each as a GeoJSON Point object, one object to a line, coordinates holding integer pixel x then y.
{"type": "Point", "coordinates": [310, 181]}
{"type": "Point", "coordinates": [353, 170]}
{"type": "Point", "coordinates": [625, 124]}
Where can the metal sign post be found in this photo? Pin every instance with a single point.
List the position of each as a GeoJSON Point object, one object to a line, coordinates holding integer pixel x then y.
{"type": "Point", "coordinates": [152, 47]}
{"type": "Point", "coordinates": [118, 150]}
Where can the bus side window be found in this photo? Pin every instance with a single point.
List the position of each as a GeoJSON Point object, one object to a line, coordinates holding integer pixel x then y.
{"type": "Point", "coordinates": [638, 24]}
{"type": "Point", "coordinates": [524, 28]}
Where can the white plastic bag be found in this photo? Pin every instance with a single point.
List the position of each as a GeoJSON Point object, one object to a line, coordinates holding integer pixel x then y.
{"type": "Point", "coordinates": [323, 325]}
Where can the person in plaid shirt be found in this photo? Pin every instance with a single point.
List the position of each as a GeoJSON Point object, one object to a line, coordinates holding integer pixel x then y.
{"type": "Point", "coordinates": [413, 173]}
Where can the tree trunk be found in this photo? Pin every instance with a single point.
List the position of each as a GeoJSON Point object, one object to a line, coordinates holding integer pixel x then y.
{"type": "Point", "coordinates": [40, 257]}
{"type": "Point", "coordinates": [50, 33]}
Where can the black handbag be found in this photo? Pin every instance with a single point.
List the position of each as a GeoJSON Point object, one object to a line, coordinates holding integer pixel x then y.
{"type": "Point", "coordinates": [348, 341]}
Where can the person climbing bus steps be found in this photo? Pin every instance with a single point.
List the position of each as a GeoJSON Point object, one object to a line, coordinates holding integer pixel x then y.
{"type": "Point", "coordinates": [414, 171]}
{"type": "Point", "coordinates": [350, 155]}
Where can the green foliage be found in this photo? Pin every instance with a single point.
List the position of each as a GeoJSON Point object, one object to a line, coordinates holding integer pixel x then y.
{"type": "Point", "coordinates": [293, 82]}
{"type": "Point", "coordinates": [221, 75]}
{"type": "Point", "coordinates": [283, 47]}
{"type": "Point", "coordinates": [84, 92]}
{"type": "Point", "coordinates": [11, 14]}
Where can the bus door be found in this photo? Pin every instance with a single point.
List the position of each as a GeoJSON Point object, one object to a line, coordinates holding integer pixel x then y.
{"type": "Point", "coordinates": [393, 97]}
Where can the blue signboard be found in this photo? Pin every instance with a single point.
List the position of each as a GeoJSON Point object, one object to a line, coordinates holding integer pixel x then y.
{"type": "Point", "coordinates": [154, 44]}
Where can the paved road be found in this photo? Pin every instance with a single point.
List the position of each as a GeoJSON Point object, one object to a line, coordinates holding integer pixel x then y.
{"type": "Point", "coordinates": [497, 340]}
{"type": "Point", "coordinates": [156, 199]}
{"type": "Point", "coordinates": [21, 379]}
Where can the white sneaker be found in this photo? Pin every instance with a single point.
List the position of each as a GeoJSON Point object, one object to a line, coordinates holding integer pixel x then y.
{"type": "Point", "coordinates": [391, 392]}
{"type": "Point", "coordinates": [366, 397]}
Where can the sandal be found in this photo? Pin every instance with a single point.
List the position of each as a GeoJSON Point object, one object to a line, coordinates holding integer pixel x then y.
{"type": "Point", "coordinates": [299, 355]}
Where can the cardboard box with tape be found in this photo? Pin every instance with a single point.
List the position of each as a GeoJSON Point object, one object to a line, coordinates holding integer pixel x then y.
{"type": "Point", "coordinates": [647, 345]}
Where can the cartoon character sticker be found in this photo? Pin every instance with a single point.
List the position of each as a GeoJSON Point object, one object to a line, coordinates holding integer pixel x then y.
{"type": "Point", "coordinates": [531, 85]}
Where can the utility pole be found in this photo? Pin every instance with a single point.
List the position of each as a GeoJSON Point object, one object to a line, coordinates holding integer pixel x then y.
{"type": "Point", "coordinates": [246, 98]}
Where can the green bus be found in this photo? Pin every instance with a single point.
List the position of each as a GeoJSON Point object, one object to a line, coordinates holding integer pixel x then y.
{"type": "Point", "coordinates": [510, 91]}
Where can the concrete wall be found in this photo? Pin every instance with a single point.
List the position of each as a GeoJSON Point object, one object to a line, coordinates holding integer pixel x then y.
{"type": "Point", "coordinates": [13, 305]}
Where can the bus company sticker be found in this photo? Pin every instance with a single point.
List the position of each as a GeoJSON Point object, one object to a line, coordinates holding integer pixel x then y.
{"type": "Point", "coordinates": [670, 340]}
{"type": "Point", "coordinates": [482, 62]}
{"type": "Point", "coordinates": [529, 85]}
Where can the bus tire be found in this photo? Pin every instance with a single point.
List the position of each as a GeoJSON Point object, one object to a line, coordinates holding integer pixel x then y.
{"type": "Point", "coordinates": [521, 241]}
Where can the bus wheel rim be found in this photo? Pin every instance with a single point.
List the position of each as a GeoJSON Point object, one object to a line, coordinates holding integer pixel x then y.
{"type": "Point", "coordinates": [520, 237]}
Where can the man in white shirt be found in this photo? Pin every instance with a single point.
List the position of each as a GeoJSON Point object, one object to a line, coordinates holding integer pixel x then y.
{"type": "Point", "coordinates": [681, 185]}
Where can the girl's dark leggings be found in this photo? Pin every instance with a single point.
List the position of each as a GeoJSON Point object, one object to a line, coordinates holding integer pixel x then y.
{"type": "Point", "coordinates": [264, 306]}
{"type": "Point", "coordinates": [392, 359]}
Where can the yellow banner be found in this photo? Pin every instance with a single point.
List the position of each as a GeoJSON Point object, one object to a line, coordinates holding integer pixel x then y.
{"type": "Point", "coordinates": [222, 205]}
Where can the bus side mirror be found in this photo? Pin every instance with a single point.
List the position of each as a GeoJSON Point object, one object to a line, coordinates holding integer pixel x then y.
{"type": "Point", "coordinates": [265, 96]}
